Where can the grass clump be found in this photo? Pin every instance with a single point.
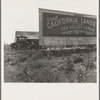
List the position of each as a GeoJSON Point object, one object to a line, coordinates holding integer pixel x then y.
{"type": "Point", "coordinates": [38, 72]}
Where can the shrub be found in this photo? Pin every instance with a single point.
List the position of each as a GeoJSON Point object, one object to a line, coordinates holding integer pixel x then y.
{"type": "Point", "coordinates": [39, 72]}
{"type": "Point", "coordinates": [12, 56]}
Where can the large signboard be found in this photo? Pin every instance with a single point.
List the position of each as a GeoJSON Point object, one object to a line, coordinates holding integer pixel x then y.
{"type": "Point", "coordinates": [63, 28]}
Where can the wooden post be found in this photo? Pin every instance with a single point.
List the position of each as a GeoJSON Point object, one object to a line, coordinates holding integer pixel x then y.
{"type": "Point", "coordinates": [75, 44]}
{"type": "Point", "coordinates": [49, 54]}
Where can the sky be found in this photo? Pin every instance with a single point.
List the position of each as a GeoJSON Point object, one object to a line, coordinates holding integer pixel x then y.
{"type": "Point", "coordinates": [23, 15]}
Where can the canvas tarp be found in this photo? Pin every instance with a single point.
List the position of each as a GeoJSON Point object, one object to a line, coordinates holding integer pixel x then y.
{"type": "Point", "coordinates": [29, 35]}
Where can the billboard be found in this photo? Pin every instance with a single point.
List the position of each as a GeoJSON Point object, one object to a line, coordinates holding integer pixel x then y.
{"type": "Point", "coordinates": [64, 28]}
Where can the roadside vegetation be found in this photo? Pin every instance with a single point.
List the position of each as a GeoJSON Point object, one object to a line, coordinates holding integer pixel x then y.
{"type": "Point", "coordinates": [36, 66]}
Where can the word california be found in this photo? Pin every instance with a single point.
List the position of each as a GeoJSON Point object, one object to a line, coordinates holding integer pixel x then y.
{"type": "Point", "coordinates": [55, 21]}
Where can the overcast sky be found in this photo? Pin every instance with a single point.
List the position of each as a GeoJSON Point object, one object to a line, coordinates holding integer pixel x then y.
{"type": "Point", "coordinates": [23, 15]}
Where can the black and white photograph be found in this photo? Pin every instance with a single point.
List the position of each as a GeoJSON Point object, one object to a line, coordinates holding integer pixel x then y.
{"type": "Point", "coordinates": [62, 50]}
{"type": "Point", "coordinates": [49, 41]}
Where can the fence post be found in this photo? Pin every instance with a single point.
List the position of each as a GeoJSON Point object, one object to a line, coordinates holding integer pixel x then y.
{"type": "Point", "coordinates": [49, 54]}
